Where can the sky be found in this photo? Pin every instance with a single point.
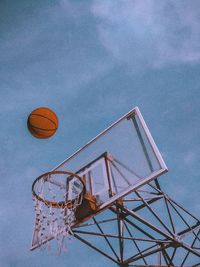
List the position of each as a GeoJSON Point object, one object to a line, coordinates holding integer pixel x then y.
{"type": "Point", "coordinates": [91, 62]}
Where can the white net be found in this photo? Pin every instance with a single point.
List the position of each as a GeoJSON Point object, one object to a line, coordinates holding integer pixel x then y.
{"type": "Point", "coordinates": [56, 196]}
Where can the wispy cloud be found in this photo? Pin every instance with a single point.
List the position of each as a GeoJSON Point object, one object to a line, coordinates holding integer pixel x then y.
{"type": "Point", "coordinates": [46, 50]}
{"type": "Point", "coordinates": [70, 55]}
{"type": "Point", "coordinates": [149, 33]}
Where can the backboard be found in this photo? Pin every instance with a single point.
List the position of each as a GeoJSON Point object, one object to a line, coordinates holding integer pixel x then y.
{"type": "Point", "coordinates": [118, 161]}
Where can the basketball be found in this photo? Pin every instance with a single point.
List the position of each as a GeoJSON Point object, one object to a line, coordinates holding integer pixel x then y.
{"type": "Point", "coordinates": [42, 123]}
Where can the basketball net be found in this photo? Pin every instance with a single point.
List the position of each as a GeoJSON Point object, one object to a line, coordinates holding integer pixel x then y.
{"type": "Point", "coordinates": [56, 196]}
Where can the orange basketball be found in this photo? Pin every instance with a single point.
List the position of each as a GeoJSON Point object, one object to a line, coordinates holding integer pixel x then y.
{"type": "Point", "coordinates": [42, 122]}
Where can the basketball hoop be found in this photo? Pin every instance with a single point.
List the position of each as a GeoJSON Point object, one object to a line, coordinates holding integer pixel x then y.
{"type": "Point", "coordinates": [57, 195]}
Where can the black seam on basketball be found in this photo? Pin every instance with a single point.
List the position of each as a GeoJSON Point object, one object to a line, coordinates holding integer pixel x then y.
{"type": "Point", "coordinates": [45, 118]}
{"type": "Point", "coordinates": [41, 135]}
{"type": "Point", "coordinates": [47, 130]}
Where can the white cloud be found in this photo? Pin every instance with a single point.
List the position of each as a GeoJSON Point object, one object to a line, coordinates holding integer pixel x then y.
{"type": "Point", "coordinates": [149, 33]}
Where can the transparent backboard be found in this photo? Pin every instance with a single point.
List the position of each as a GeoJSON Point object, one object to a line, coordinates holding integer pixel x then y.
{"type": "Point", "coordinates": [118, 161]}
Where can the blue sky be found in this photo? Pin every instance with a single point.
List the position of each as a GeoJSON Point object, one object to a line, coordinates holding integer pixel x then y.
{"type": "Point", "coordinates": [91, 62]}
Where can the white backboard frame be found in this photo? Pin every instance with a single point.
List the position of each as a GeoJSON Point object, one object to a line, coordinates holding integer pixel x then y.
{"type": "Point", "coordinates": [163, 168]}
